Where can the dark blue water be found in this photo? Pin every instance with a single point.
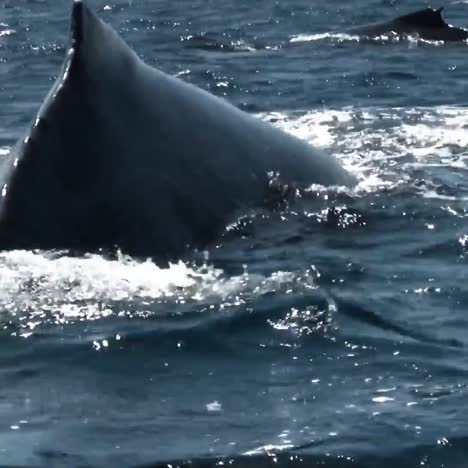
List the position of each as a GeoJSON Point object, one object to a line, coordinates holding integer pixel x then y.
{"type": "Point", "coordinates": [332, 331]}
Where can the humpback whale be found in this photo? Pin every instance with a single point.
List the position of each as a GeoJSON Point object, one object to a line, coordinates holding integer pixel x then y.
{"type": "Point", "coordinates": [122, 155]}
{"type": "Point", "coordinates": [427, 24]}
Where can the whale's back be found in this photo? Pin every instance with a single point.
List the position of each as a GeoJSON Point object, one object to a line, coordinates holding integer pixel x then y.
{"type": "Point", "coordinates": [124, 155]}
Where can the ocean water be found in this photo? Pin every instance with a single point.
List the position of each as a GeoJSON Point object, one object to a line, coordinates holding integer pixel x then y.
{"type": "Point", "coordinates": [331, 331]}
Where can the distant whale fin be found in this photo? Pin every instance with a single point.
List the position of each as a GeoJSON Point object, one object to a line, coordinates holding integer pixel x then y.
{"type": "Point", "coordinates": [427, 18]}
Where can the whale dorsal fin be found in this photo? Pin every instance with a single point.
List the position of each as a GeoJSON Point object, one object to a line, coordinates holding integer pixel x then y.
{"type": "Point", "coordinates": [427, 18]}
{"type": "Point", "coordinates": [94, 44]}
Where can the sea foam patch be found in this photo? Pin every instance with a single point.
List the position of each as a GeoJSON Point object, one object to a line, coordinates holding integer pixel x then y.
{"type": "Point", "coordinates": [44, 287]}
{"type": "Point", "coordinates": [383, 147]}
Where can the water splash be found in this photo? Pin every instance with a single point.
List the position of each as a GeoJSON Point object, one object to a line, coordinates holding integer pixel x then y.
{"type": "Point", "coordinates": [39, 287]}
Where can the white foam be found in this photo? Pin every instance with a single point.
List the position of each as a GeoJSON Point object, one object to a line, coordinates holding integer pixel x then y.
{"type": "Point", "coordinates": [413, 40]}
{"type": "Point", "coordinates": [214, 407]}
{"type": "Point", "coordinates": [382, 146]}
{"type": "Point", "coordinates": [37, 287]}
{"type": "Point", "coordinates": [7, 32]}
{"type": "Point", "coordinates": [319, 37]}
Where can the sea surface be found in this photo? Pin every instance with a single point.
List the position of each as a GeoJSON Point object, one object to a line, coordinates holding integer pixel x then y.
{"type": "Point", "coordinates": [331, 331]}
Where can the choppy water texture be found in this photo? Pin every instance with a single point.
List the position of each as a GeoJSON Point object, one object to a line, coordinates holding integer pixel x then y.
{"type": "Point", "coordinates": [332, 331]}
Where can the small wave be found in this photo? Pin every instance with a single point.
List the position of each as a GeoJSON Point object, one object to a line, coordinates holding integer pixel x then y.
{"type": "Point", "coordinates": [269, 449]}
{"type": "Point", "coordinates": [443, 452]}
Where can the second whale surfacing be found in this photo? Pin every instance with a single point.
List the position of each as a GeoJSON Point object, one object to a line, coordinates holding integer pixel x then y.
{"type": "Point", "coordinates": [427, 24]}
{"type": "Point", "coordinates": [123, 155]}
